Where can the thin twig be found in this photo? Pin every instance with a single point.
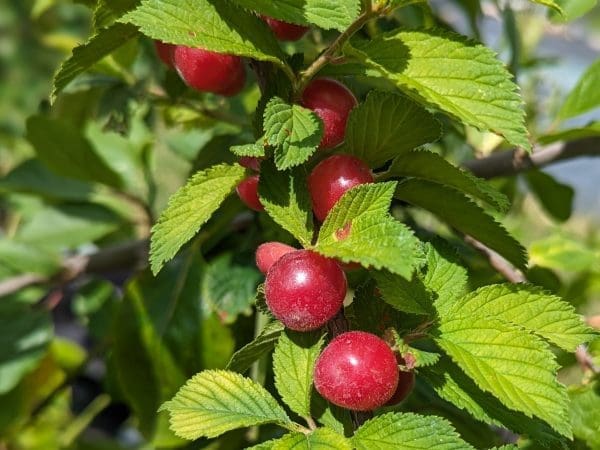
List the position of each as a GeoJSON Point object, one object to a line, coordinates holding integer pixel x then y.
{"type": "Point", "coordinates": [585, 360]}
{"type": "Point", "coordinates": [497, 262]}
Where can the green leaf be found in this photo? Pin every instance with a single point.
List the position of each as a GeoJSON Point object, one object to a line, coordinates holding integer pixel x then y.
{"type": "Point", "coordinates": [360, 229]}
{"type": "Point", "coordinates": [263, 344]}
{"type": "Point", "coordinates": [452, 73]}
{"type": "Point", "coordinates": [405, 295]}
{"type": "Point", "coordinates": [216, 401]}
{"type": "Point", "coordinates": [229, 288]}
{"type": "Point", "coordinates": [256, 150]}
{"type": "Point", "coordinates": [64, 150]}
{"type": "Point", "coordinates": [86, 55]}
{"type": "Point", "coordinates": [214, 25]}
{"type": "Point", "coordinates": [585, 96]}
{"type": "Point", "coordinates": [513, 365]}
{"type": "Point", "coordinates": [320, 439]}
{"type": "Point", "coordinates": [585, 413]}
{"type": "Point", "coordinates": [107, 11]}
{"type": "Point", "coordinates": [284, 195]}
{"type": "Point", "coordinates": [294, 131]}
{"type": "Point", "coordinates": [461, 213]}
{"type": "Point", "coordinates": [293, 363]}
{"type": "Point", "coordinates": [408, 431]}
{"type": "Point", "coordinates": [573, 9]}
{"type": "Point", "coordinates": [386, 125]}
{"type": "Point", "coordinates": [330, 415]}
{"type": "Point", "coordinates": [189, 208]}
{"type": "Point", "coordinates": [590, 130]}
{"type": "Point", "coordinates": [327, 14]}
{"type": "Point", "coordinates": [562, 252]}
{"type": "Point", "coordinates": [445, 275]}
{"type": "Point", "coordinates": [526, 306]}
{"type": "Point", "coordinates": [433, 167]}
{"type": "Point", "coordinates": [369, 312]}
{"type": "Point", "coordinates": [26, 258]}
{"type": "Point", "coordinates": [24, 337]}
{"type": "Point", "coordinates": [551, 4]}
{"type": "Point", "coordinates": [452, 385]}
{"type": "Point", "coordinates": [555, 197]}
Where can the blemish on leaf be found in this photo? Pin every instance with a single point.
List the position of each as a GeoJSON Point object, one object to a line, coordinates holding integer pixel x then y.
{"type": "Point", "coordinates": [343, 233]}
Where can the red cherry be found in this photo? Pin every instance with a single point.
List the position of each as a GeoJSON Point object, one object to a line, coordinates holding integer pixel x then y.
{"type": "Point", "coordinates": [332, 177]}
{"type": "Point", "coordinates": [248, 193]}
{"type": "Point", "coordinates": [332, 102]}
{"type": "Point", "coordinates": [357, 371]}
{"type": "Point", "coordinates": [285, 31]}
{"type": "Point", "coordinates": [406, 383]}
{"type": "Point", "coordinates": [209, 71]}
{"type": "Point", "coordinates": [165, 52]}
{"type": "Point", "coordinates": [269, 253]}
{"type": "Point", "coordinates": [250, 162]}
{"type": "Point", "coordinates": [305, 290]}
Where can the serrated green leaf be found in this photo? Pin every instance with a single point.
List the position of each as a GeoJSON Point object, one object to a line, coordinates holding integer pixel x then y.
{"type": "Point", "coordinates": [452, 385]}
{"type": "Point", "coordinates": [229, 288]}
{"type": "Point", "coordinates": [445, 275]}
{"type": "Point", "coordinates": [189, 208]}
{"type": "Point", "coordinates": [293, 363]}
{"type": "Point", "coordinates": [320, 439]}
{"type": "Point", "coordinates": [555, 197]}
{"type": "Point", "coordinates": [369, 312]}
{"type": "Point", "coordinates": [526, 306]}
{"type": "Point", "coordinates": [585, 95]}
{"type": "Point", "coordinates": [263, 344]}
{"type": "Point", "coordinates": [64, 150]}
{"type": "Point", "coordinates": [327, 14]}
{"type": "Point", "coordinates": [360, 229]}
{"type": "Point", "coordinates": [256, 150]}
{"type": "Point", "coordinates": [408, 431]}
{"type": "Point", "coordinates": [433, 167]}
{"type": "Point", "coordinates": [451, 73]}
{"type": "Point", "coordinates": [461, 213]}
{"type": "Point", "coordinates": [294, 131]}
{"type": "Point", "coordinates": [330, 415]}
{"type": "Point", "coordinates": [386, 125]}
{"type": "Point", "coordinates": [284, 195]}
{"type": "Point", "coordinates": [215, 25]}
{"type": "Point", "coordinates": [216, 401]}
{"type": "Point", "coordinates": [513, 365]}
{"type": "Point", "coordinates": [405, 295]}
{"type": "Point", "coordinates": [107, 11]}
{"type": "Point", "coordinates": [585, 413]}
{"type": "Point", "coordinates": [86, 55]}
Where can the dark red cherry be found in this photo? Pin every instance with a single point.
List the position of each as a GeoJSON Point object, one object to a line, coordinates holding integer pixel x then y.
{"type": "Point", "coordinates": [165, 52]}
{"type": "Point", "coordinates": [247, 190]}
{"type": "Point", "coordinates": [285, 31]}
{"type": "Point", "coordinates": [269, 253]}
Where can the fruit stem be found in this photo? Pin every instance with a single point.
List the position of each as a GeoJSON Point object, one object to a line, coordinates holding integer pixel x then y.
{"type": "Point", "coordinates": [329, 54]}
{"type": "Point", "coordinates": [311, 422]}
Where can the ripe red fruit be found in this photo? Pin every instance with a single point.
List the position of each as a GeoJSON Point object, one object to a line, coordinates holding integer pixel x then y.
{"type": "Point", "coordinates": [269, 253]}
{"type": "Point", "coordinates": [209, 71]}
{"type": "Point", "coordinates": [247, 190]}
{"type": "Point", "coordinates": [285, 31]}
{"type": "Point", "coordinates": [305, 290]}
{"type": "Point", "coordinates": [332, 102]}
{"type": "Point", "coordinates": [250, 162]}
{"type": "Point", "coordinates": [357, 371]}
{"type": "Point", "coordinates": [406, 383]}
{"type": "Point", "coordinates": [165, 52]}
{"type": "Point", "coordinates": [332, 177]}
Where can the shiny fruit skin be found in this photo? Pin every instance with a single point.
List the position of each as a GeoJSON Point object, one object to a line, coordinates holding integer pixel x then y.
{"type": "Point", "coordinates": [209, 71]}
{"type": "Point", "coordinates": [332, 102]}
{"type": "Point", "coordinates": [304, 290]}
{"type": "Point", "coordinates": [247, 190]}
{"type": "Point", "coordinates": [285, 31]}
{"type": "Point", "coordinates": [165, 52]}
{"type": "Point", "coordinates": [406, 383]}
{"type": "Point", "coordinates": [269, 253]}
{"type": "Point", "coordinates": [331, 178]}
{"type": "Point", "coordinates": [357, 371]}
{"type": "Point", "coordinates": [250, 162]}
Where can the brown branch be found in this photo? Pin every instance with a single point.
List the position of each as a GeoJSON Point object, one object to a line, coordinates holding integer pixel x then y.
{"type": "Point", "coordinates": [129, 255]}
{"type": "Point", "coordinates": [497, 262]}
{"type": "Point", "coordinates": [512, 162]}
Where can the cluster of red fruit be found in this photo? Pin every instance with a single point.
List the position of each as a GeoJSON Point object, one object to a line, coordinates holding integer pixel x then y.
{"type": "Point", "coordinates": [304, 290]}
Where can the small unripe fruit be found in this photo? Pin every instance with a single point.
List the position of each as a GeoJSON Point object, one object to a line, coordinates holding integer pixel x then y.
{"type": "Point", "coordinates": [247, 190]}
{"type": "Point", "coordinates": [331, 178]}
{"type": "Point", "coordinates": [305, 290]}
{"type": "Point", "coordinates": [250, 162]}
{"type": "Point", "coordinates": [209, 71]}
{"type": "Point", "coordinates": [332, 102]}
{"type": "Point", "coordinates": [165, 52]}
{"type": "Point", "coordinates": [269, 253]}
{"type": "Point", "coordinates": [406, 383]}
{"type": "Point", "coordinates": [285, 31]}
{"type": "Point", "coordinates": [357, 371]}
